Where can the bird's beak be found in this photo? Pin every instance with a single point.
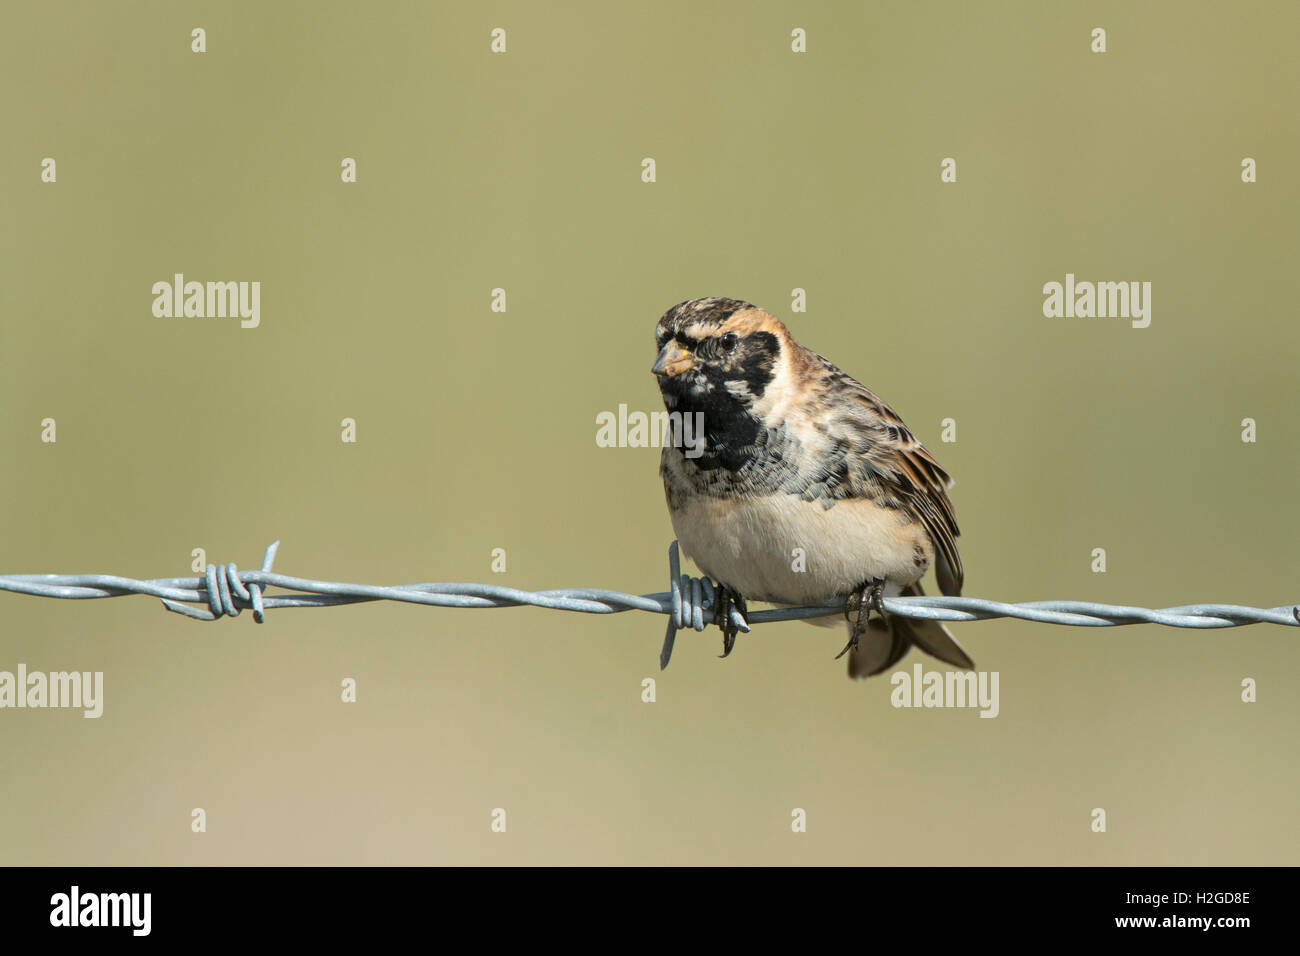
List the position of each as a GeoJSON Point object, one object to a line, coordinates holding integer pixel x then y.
{"type": "Point", "coordinates": [673, 360]}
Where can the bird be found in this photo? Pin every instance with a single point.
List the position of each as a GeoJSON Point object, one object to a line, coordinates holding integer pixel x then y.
{"type": "Point", "coordinates": [806, 487]}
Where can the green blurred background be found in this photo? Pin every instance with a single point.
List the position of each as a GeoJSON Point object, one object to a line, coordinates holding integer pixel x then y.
{"type": "Point", "coordinates": [477, 429]}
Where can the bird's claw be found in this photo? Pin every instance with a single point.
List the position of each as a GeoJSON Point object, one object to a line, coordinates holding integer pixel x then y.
{"type": "Point", "coordinates": [867, 598]}
{"type": "Point", "coordinates": [726, 599]}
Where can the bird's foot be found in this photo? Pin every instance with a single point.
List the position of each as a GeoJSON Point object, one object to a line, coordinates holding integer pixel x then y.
{"type": "Point", "coordinates": [865, 599]}
{"type": "Point", "coordinates": [726, 600]}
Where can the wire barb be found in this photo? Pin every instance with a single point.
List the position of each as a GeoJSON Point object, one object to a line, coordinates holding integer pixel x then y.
{"type": "Point", "coordinates": [224, 591]}
{"type": "Point", "coordinates": [220, 582]}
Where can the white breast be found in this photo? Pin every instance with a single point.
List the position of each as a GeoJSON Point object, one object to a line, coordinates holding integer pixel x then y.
{"type": "Point", "coordinates": [750, 545]}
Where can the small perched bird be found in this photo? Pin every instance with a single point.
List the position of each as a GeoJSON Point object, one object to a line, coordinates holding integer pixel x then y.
{"type": "Point", "coordinates": [800, 459]}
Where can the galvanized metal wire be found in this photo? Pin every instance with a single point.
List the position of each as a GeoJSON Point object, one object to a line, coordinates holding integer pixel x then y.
{"type": "Point", "coordinates": [224, 591]}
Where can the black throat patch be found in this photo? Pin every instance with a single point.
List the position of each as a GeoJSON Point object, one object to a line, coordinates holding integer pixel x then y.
{"type": "Point", "coordinates": [723, 388]}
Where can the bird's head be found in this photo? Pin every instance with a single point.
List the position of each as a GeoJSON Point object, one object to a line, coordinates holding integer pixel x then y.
{"type": "Point", "coordinates": [716, 353]}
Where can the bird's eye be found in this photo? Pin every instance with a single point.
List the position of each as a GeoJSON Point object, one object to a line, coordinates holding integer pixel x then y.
{"type": "Point", "coordinates": [729, 342]}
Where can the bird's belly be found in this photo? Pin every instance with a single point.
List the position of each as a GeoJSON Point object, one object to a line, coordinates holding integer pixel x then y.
{"type": "Point", "coordinates": [784, 550]}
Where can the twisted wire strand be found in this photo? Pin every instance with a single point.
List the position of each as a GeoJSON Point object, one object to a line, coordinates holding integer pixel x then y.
{"type": "Point", "coordinates": [690, 602]}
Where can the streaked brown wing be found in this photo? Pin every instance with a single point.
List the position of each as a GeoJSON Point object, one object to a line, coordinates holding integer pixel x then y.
{"type": "Point", "coordinates": [894, 457]}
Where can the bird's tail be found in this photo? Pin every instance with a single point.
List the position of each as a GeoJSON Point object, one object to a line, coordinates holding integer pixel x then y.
{"type": "Point", "coordinates": [884, 644]}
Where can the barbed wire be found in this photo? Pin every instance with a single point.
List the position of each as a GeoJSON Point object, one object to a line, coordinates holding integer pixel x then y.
{"type": "Point", "coordinates": [224, 591]}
